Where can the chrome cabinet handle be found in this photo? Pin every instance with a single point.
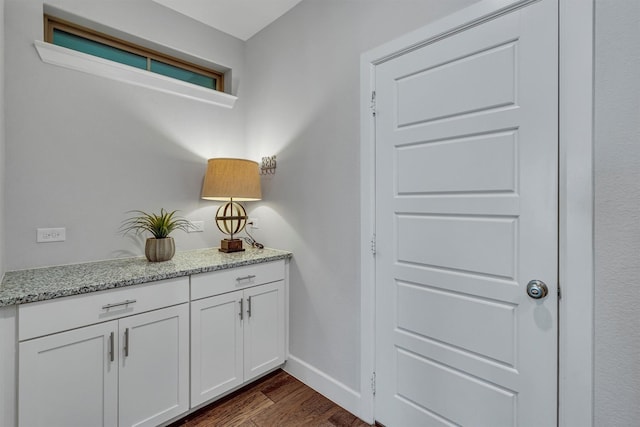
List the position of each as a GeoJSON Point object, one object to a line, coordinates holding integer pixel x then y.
{"type": "Point", "coordinates": [126, 342]}
{"type": "Point", "coordinates": [241, 308]}
{"type": "Point", "coordinates": [118, 304]}
{"type": "Point", "coordinates": [249, 308]}
{"type": "Point", "coordinates": [111, 347]}
{"type": "Point", "coordinates": [249, 277]}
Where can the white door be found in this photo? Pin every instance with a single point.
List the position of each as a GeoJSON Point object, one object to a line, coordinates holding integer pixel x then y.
{"type": "Point", "coordinates": [216, 346]}
{"type": "Point", "coordinates": [70, 378]}
{"type": "Point", "coordinates": [264, 328]}
{"type": "Point", "coordinates": [466, 216]}
{"type": "Point", "coordinates": [154, 366]}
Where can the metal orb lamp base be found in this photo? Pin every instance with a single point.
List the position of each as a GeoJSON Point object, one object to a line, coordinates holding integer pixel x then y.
{"type": "Point", "coordinates": [231, 219]}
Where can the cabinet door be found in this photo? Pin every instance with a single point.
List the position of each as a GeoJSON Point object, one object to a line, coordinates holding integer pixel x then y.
{"type": "Point", "coordinates": [154, 366]}
{"type": "Point", "coordinates": [216, 346]}
{"type": "Point", "coordinates": [70, 378]}
{"type": "Point", "coordinates": [264, 329]}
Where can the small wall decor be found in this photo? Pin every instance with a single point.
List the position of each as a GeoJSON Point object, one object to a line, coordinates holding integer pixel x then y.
{"type": "Point", "coordinates": [268, 166]}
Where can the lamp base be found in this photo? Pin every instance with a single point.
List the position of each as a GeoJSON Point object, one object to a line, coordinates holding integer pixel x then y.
{"type": "Point", "coordinates": [231, 245]}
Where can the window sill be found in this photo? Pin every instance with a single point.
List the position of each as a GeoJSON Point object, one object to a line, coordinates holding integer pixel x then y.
{"type": "Point", "coordinates": [63, 57]}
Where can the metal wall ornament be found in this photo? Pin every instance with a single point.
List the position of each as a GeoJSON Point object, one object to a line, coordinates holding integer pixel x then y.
{"type": "Point", "coordinates": [268, 165]}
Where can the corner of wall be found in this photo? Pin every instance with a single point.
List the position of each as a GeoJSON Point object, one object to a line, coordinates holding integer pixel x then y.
{"type": "Point", "coordinates": [2, 143]}
{"type": "Point", "coordinates": [326, 385]}
{"type": "Point", "coordinates": [7, 314]}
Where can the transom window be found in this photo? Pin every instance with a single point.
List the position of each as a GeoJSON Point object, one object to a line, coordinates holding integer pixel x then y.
{"type": "Point", "coordinates": [71, 36]}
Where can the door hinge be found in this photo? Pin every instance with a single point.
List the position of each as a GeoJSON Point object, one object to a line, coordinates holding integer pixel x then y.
{"type": "Point", "coordinates": [373, 383]}
{"type": "Point", "coordinates": [373, 244]}
{"type": "Point", "coordinates": [373, 103]}
{"type": "Point", "coordinates": [559, 293]}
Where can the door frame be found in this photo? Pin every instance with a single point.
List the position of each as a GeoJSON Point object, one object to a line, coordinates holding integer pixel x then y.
{"type": "Point", "coordinates": [576, 197]}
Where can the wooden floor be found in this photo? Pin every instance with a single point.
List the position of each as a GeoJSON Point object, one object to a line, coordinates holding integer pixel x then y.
{"type": "Point", "coordinates": [277, 400]}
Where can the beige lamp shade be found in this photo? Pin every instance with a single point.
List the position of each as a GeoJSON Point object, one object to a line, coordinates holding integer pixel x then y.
{"type": "Point", "coordinates": [227, 179]}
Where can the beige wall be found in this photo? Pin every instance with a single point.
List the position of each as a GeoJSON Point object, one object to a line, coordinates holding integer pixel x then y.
{"type": "Point", "coordinates": [617, 213]}
{"type": "Point", "coordinates": [2, 143]}
{"type": "Point", "coordinates": [304, 106]}
{"type": "Point", "coordinates": [82, 150]}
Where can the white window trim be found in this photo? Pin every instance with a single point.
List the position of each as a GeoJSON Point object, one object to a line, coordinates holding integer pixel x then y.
{"type": "Point", "coordinates": [68, 58]}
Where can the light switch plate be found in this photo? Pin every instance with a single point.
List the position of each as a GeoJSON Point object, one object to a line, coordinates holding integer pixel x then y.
{"type": "Point", "coordinates": [46, 235]}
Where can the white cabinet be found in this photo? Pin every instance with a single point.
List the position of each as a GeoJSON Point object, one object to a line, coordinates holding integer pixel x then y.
{"type": "Point", "coordinates": [69, 379]}
{"type": "Point", "coordinates": [264, 329]}
{"type": "Point", "coordinates": [216, 346]}
{"type": "Point", "coordinates": [130, 356]}
{"type": "Point", "coordinates": [239, 334]}
{"type": "Point", "coordinates": [130, 371]}
{"type": "Point", "coordinates": [153, 375]}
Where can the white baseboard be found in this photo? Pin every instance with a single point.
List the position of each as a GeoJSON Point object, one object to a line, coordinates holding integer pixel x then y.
{"type": "Point", "coordinates": [327, 386]}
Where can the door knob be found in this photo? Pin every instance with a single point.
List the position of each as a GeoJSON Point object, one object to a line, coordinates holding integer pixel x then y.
{"type": "Point", "coordinates": [537, 289]}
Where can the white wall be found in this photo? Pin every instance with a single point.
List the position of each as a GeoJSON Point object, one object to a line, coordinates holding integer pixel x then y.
{"type": "Point", "coordinates": [303, 105]}
{"type": "Point", "coordinates": [82, 150]}
{"type": "Point", "coordinates": [617, 213]}
{"type": "Point", "coordinates": [2, 143]}
{"type": "Point", "coordinates": [7, 325]}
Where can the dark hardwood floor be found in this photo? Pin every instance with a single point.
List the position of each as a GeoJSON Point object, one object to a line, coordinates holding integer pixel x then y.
{"type": "Point", "coordinates": [278, 400]}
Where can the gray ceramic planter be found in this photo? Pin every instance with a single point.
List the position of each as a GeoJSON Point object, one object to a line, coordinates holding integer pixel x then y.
{"type": "Point", "coordinates": [158, 250]}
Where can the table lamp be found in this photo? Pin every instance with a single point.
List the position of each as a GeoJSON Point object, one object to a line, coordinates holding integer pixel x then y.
{"type": "Point", "coordinates": [231, 181]}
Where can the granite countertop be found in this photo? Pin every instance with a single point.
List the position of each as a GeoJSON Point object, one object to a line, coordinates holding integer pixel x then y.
{"type": "Point", "coordinates": [23, 286]}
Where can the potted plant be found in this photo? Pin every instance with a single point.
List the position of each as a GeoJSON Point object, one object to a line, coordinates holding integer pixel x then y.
{"type": "Point", "coordinates": [160, 247]}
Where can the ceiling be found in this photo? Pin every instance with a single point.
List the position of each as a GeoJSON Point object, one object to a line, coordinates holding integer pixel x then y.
{"type": "Point", "coordinates": [231, 16]}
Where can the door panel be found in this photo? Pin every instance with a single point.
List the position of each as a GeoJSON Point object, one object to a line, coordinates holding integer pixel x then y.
{"type": "Point", "coordinates": [216, 346]}
{"type": "Point", "coordinates": [487, 74]}
{"type": "Point", "coordinates": [436, 313]}
{"type": "Point", "coordinates": [154, 366]}
{"type": "Point", "coordinates": [466, 216]}
{"type": "Point", "coordinates": [485, 403]}
{"type": "Point", "coordinates": [461, 242]}
{"type": "Point", "coordinates": [264, 329]}
{"type": "Point", "coordinates": [69, 378]}
{"type": "Point", "coordinates": [473, 164]}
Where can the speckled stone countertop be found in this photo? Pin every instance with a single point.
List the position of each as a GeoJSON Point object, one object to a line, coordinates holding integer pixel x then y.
{"type": "Point", "coordinates": [23, 286]}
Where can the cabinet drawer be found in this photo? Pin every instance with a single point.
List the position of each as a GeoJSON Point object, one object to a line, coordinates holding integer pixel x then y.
{"type": "Point", "coordinates": [219, 282]}
{"type": "Point", "coordinates": [48, 317]}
